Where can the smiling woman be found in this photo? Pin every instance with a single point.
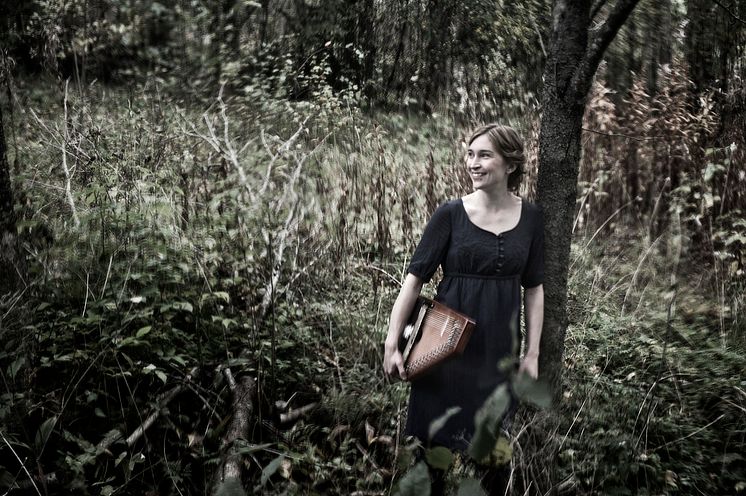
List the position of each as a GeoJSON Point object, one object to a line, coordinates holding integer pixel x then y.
{"type": "Point", "coordinates": [490, 244]}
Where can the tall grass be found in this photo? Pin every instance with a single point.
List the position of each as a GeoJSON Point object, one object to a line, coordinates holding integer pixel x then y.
{"type": "Point", "coordinates": [270, 237]}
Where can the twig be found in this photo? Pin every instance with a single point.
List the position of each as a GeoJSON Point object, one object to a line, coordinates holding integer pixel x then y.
{"type": "Point", "coordinates": [730, 12]}
{"type": "Point", "coordinates": [162, 401]}
{"type": "Point", "coordinates": [230, 152]}
{"type": "Point", "coordinates": [281, 150]}
{"type": "Point", "coordinates": [277, 265]}
{"type": "Point", "coordinates": [295, 414]}
{"type": "Point", "coordinates": [690, 434]}
{"type": "Point", "coordinates": [538, 34]}
{"type": "Point", "coordinates": [23, 466]}
{"type": "Point", "coordinates": [68, 177]}
{"type": "Point", "coordinates": [606, 222]}
{"type": "Point", "coordinates": [616, 135]}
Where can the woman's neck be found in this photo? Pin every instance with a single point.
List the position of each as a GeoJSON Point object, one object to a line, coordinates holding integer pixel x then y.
{"type": "Point", "coordinates": [495, 199]}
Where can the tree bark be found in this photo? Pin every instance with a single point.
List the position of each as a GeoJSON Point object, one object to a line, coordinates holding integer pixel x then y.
{"type": "Point", "coordinates": [229, 472]}
{"type": "Point", "coordinates": [574, 54]}
{"type": "Point", "coordinates": [8, 251]}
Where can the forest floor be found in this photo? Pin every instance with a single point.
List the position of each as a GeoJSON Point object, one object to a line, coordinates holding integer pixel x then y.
{"type": "Point", "coordinates": [172, 245]}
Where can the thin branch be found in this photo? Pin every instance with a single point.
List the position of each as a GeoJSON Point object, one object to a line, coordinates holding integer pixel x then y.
{"type": "Point", "coordinates": [598, 42]}
{"type": "Point", "coordinates": [730, 12]}
{"type": "Point", "coordinates": [68, 176]}
{"type": "Point", "coordinates": [616, 135]}
{"type": "Point", "coordinates": [23, 465]}
{"type": "Point", "coordinates": [597, 8]}
{"type": "Point", "coordinates": [690, 434]}
{"type": "Point", "coordinates": [296, 413]}
{"type": "Point", "coordinates": [538, 34]}
{"type": "Point", "coordinates": [230, 151]}
{"type": "Point", "coordinates": [164, 400]}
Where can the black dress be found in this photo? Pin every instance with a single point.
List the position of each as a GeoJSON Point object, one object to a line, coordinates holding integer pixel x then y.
{"type": "Point", "coordinates": [483, 275]}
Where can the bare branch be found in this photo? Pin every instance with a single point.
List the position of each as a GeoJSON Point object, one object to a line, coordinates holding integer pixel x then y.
{"type": "Point", "coordinates": [730, 12]}
{"type": "Point", "coordinates": [162, 401]}
{"type": "Point", "coordinates": [538, 34]}
{"type": "Point", "coordinates": [598, 42]}
{"type": "Point", "coordinates": [21, 462]}
{"type": "Point", "coordinates": [68, 176]}
{"type": "Point", "coordinates": [617, 135]}
{"type": "Point", "coordinates": [296, 413]}
{"type": "Point", "coordinates": [597, 8]}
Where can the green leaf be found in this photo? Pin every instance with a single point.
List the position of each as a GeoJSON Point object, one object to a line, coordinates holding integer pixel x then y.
{"type": "Point", "coordinates": [416, 482]}
{"type": "Point", "coordinates": [42, 435]}
{"type": "Point", "coordinates": [161, 375]}
{"type": "Point", "coordinates": [532, 391]}
{"type": "Point", "coordinates": [439, 457]}
{"type": "Point", "coordinates": [502, 452]}
{"type": "Point", "coordinates": [143, 331]}
{"type": "Point", "coordinates": [16, 366]}
{"type": "Point", "coordinates": [223, 295]}
{"type": "Point", "coordinates": [487, 422]}
{"type": "Point", "coordinates": [439, 422]}
{"type": "Point", "coordinates": [185, 305]}
{"type": "Point", "coordinates": [271, 468]}
{"type": "Point", "coordinates": [470, 487]}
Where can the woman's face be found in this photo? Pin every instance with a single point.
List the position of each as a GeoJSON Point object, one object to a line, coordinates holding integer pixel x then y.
{"type": "Point", "coordinates": [486, 167]}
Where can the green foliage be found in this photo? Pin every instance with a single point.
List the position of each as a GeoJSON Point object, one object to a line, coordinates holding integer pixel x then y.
{"type": "Point", "coordinates": [532, 391]}
{"type": "Point", "coordinates": [439, 422]}
{"type": "Point", "coordinates": [176, 269]}
{"type": "Point", "coordinates": [470, 487]}
{"type": "Point", "coordinates": [487, 423]}
{"type": "Point", "coordinates": [416, 482]}
{"type": "Point", "coordinates": [439, 457]}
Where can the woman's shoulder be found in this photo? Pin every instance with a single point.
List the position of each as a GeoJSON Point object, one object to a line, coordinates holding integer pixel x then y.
{"type": "Point", "coordinates": [532, 207]}
{"type": "Point", "coordinates": [533, 211]}
{"type": "Point", "coordinates": [449, 206]}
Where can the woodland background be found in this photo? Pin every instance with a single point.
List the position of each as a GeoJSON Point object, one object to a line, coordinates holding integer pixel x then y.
{"type": "Point", "coordinates": [207, 208]}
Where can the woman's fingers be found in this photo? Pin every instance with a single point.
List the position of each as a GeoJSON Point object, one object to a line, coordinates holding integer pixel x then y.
{"type": "Point", "coordinates": [400, 366]}
{"type": "Point", "coordinates": [393, 364]}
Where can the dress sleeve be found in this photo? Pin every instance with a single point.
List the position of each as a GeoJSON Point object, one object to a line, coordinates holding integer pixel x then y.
{"type": "Point", "coordinates": [433, 246]}
{"type": "Point", "coordinates": [533, 272]}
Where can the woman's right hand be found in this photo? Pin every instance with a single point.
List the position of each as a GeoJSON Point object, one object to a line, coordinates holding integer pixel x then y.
{"type": "Point", "coordinates": [393, 363]}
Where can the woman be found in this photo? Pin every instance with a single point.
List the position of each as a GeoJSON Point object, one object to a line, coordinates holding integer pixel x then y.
{"type": "Point", "coordinates": [489, 243]}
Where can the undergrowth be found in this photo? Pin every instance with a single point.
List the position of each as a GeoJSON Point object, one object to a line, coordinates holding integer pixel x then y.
{"type": "Point", "coordinates": [268, 238]}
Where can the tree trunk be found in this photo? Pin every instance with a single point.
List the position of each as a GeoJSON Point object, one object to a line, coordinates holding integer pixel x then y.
{"type": "Point", "coordinates": [8, 250]}
{"type": "Point", "coordinates": [571, 64]}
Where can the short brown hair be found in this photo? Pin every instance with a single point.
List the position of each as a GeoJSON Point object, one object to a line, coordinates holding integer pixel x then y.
{"type": "Point", "coordinates": [509, 145]}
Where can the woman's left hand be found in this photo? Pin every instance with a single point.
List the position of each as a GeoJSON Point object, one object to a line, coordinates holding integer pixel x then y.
{"type": "Point", "coordinates": [530, 365]}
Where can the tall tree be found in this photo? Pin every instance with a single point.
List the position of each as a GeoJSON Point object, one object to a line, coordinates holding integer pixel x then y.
{"type": "Point", "coordinates": [7, 218]}
{"type": "Point", "coordinates": [576, 48]}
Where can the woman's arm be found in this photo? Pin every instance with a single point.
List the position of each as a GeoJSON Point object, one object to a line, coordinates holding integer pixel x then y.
{"type": "Point", "coordinates": [534, 308]}
{"type": "Point", "coordinates": [392, 359]}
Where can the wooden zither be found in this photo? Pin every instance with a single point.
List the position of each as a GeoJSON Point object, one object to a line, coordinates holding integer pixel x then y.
{"type": "Point", "coordinates": [434, 333]}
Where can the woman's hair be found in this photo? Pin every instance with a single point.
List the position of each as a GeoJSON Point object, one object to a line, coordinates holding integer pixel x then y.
{"type": "Point", "coordinates": [509, 145]}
